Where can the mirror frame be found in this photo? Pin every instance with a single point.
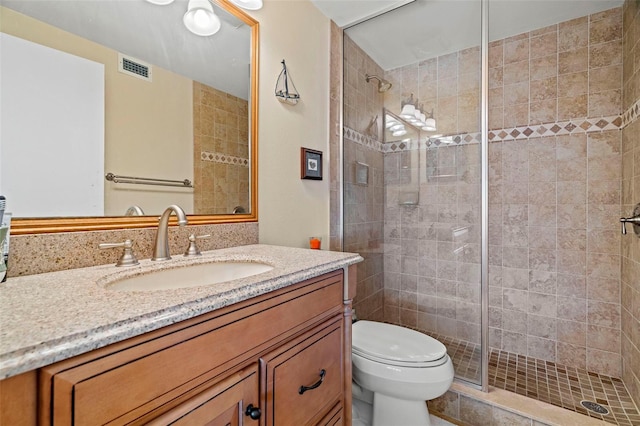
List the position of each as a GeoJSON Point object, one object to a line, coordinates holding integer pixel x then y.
{"type": "Point", "coordinates": [76, 224]}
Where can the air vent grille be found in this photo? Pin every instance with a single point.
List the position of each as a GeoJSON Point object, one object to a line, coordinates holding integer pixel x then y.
{"type": "Point", "coordinates": [134, 67]}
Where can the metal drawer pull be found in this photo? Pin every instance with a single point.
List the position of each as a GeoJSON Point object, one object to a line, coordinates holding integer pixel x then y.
{"type": "Point", "coordinates": [317, 384]}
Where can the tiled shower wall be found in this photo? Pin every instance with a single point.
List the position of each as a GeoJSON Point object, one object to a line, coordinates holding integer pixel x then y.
{"type": "Point", "coordinates": [432, 249]}
{"type": "Point", "coordinates": [631, 196]}
{"type": "Point", "coordinates": [554, 237]}
{"type": "Point", "coordinates": [449, 85]}
{"type": "Point", "coordinates": [363, 204]}
{"type": "Point", "coordinates": [554, 249]}
{"type": "Point", "coordinates": [221, 151]}
{"type": "Point", "coordinates": [554, 199]}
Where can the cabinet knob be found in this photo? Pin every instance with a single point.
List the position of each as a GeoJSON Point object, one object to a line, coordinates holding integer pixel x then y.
{"type": "Point", "coordinates": [253, 412]}
{"type": "Point", "coordinates": [303, 389]}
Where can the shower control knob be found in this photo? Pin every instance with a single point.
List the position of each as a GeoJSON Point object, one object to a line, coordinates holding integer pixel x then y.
{"type": "Point", "coordinates": [634, 219]}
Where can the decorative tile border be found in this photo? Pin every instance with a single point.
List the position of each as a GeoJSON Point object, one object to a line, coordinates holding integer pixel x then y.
{"type": "Point", "coordinates": [583, 125]}
{"type": "Point", "coordinates": [452, 140]}
{"type": "Point", "coordinates": [218, 157]}
{"type": "Point", "coordinates": [631, 114]}
{"type": "Point", "coordinates": [363, 139]}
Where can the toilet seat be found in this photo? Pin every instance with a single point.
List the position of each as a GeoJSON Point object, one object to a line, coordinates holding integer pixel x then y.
{"type": "Point", "coordinates": [399, 346]}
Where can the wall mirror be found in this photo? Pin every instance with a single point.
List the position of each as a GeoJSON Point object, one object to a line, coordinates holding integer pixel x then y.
{"type": "Point", "coordinates": [103, 88]}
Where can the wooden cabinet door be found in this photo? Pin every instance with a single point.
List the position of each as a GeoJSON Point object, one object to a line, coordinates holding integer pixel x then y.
{"type": "Point", "coordinates": [224, 404]}
{"type": "Point", "coordinates": [334, 418]}
{"type": "Point", "coordinates": [304, 380]}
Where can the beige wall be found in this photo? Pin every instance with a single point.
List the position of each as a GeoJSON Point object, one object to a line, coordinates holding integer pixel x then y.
{"type": "Point", "coordinates": [157, 144]}
{"type": "Point", "coordinates": [290, 209]}
{"type": "Point", "coordinates": [630, 247]}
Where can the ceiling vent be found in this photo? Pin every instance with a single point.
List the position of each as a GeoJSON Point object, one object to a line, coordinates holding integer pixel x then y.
{"type": "Point", "coordinates": [134, 67]}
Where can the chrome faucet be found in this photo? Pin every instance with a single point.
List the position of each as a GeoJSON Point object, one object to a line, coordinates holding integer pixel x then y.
{"type": "Point", "coordinates": [161, 246]}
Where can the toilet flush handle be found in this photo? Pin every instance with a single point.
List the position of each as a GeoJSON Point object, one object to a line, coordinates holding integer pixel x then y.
{"type": "Point", "coordinates": [303, 389]}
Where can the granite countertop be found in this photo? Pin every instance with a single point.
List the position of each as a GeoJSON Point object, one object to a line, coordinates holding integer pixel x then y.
{"type": "Point", "coordinates": [49, 317]}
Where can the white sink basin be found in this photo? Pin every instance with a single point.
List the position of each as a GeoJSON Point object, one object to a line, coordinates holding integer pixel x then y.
{"type": "Point", "coordinates": [190, 276]}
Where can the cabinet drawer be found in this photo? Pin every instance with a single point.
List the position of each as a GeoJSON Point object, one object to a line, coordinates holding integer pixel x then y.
{"type": "Point", "coordinates": [121, 387]}
{"type": "Point", "coordinates": [300, 392]}
{"type": "Point", "coordinates": [221, 405]}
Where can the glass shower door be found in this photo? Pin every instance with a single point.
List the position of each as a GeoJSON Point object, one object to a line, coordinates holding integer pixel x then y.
{"type": "Point", "coordinates": [417, 220]}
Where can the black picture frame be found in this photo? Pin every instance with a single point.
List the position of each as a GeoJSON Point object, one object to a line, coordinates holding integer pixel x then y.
{"type": "Point", "coordinates": [310, 164]}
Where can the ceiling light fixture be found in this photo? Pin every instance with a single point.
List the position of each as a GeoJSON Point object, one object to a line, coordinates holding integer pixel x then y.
{"type": "Point", "coordinates": [248, 4]}
{"type": "Point", "coordinates": [200, 18]}
{"type": "Point", "coordinates": [413, 113]}
{"type": "Point", "coordinates": [161, 2]}
{"type": "Point", "coordinates": [408, 108]}
{"type": "Point", "coordinates": [429, 124]}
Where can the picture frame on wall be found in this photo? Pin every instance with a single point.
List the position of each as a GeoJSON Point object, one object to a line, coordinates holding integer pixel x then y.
{"type": "Point", "coordinates": [310, 164]}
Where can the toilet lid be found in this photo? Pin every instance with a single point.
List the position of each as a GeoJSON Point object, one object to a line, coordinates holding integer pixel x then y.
{"type": "Point", "coordinates": [391, 344]}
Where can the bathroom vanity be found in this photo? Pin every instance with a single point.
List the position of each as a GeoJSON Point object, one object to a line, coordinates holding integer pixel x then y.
{"type": "Point", "coordinates": [275, 352]}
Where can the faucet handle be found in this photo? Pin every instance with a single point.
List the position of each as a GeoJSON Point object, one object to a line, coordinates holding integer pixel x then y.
{"type": "Point", "coordinates": [193, 249]}
{"type": "Point", "coordinates": [128, 258]}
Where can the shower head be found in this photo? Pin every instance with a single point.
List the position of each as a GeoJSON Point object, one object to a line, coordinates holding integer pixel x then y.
{"type": "Point", "coordinates": [383, 85]}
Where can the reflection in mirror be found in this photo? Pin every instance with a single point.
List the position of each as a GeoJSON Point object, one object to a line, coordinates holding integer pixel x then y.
{"type": "Point", "coordinates": [400, 131]}
{"type": "Point", "coordinates": [91, 88]}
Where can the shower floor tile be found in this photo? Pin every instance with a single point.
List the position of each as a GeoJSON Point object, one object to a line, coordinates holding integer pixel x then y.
{"type": "Point", "coordinates": [545, 381]}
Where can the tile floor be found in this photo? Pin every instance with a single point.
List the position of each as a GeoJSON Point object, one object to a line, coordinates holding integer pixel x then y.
{"type": "Point", "coordinates": [546, 381]}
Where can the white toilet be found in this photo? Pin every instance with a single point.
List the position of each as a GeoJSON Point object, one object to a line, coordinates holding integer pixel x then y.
{"type": "Point", "coordinates": [395, 370]}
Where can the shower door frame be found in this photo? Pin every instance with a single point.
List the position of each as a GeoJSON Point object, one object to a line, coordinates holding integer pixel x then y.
{"type": "Point", "coordinates": [484, 190]}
